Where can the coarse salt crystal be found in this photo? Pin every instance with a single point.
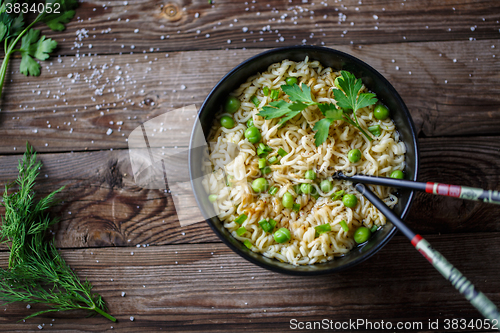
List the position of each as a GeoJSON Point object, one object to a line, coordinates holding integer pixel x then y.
{"type": "Point", "coordinates": [109, 131]}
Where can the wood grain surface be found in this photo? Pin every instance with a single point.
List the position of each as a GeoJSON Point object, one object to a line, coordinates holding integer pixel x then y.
{"type": "Point", "coordinates": [74, 103]}
{"type": "Point", "coordinates": [120, 63]}
{"type": "Point", "coordinates": [206, 287]}
{"type": "Point", "coordinates": [180, 25]}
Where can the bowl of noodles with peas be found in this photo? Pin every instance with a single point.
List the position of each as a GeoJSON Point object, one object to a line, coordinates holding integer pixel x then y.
{"type": "Point", "coordinates": [279, 127]}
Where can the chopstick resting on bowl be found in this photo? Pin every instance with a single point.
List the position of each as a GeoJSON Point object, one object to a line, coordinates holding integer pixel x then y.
{"type": "Point", "coordinates": [460, 282]}
{"type": "Point", "coordinates": [461, 192]}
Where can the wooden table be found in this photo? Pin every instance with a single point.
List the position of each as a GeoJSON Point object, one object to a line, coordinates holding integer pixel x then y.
{"type": "Point", "coordinates": [121, 63]}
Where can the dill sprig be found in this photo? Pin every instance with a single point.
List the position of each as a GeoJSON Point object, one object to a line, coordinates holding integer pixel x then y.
{"type": "Point", "coordinates": [37, 273]}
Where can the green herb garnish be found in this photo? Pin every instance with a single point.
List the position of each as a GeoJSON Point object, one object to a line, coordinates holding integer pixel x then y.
{"type": "Point", "coordinates": [282, 152]}
{"type": "Point", "coordinates": [272, 160]}
{"type": "Point", "coordinates": [241, 231]}
{"type": "Point", "coordinates": [267, 226]}
{"type": "Point", "coordinates": [240, 219]}
{"type": "Point", "coordinates": [265, 91]}
{"type": "Point", "coordinates": [348, 98]}
{"type": "Point", "coordinates": [255, 101]}
{"type": "Point", "coordinates": [275, 94]}
{"type": "Point", "coordinates": [338, 195]}
{"type": "Point", "coordinates": [375, 130]}
{"type": "Point", "coordinates": [37, 273]}
{"type": "Point", "coordinates": [12, 31]}
{"type": "Point", "coordinates": [321, 229]}
{"type": "Point", "coordinates": [344, 226]}
{"type": "Point", "coordinates": [273, 190]}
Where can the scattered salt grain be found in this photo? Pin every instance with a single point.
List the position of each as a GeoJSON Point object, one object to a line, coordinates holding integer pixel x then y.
{"type": "Point", "coordinates": [132, 318]}
{"type": "Point", "coordinates": [109, 131]}
{"type": "Point", "coordinates": [123, 294]}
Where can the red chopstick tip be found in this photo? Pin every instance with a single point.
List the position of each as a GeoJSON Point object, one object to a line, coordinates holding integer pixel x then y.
{"type": "Point", "coordinates": [416, 239]}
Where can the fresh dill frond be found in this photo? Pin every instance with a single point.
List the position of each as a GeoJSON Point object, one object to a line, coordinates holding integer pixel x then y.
{"type": "Point", "coordinates": [37, 273]}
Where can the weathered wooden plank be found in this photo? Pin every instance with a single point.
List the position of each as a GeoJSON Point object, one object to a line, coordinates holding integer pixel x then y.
{"type": "Point", "coordinates": [124, 26]}
{"type": "Point", "coordinates": [76, 102]}
{"type": "Point", "coordinates": [103, 206]}
{"type": "Point", "coordinates": [206, 287]}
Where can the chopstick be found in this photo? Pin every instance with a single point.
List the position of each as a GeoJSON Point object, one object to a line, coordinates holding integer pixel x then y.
{"type": "Point", "coordinates": [462, 192]}
{"type": "Point", "coordinates": [460, 282]}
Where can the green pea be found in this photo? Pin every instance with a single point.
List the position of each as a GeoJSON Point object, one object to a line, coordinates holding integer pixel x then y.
{"type": "Point", "coordinates": [287, 200]}
{"type": "Point", "coordinates": [253, 134]}
{"type": "Point", "coordinates": [291, 81]}
{"type": "Point", "coordinates": [326, 185]}
{"type": "Point", "coordinates": [249, 122]}
{"type": "Point", "coordinates": [227, 122]}
{"type": "Point", "coordinates": [381, 112]}
{"type": "Point", "coordinates": [398, 174]}
{"type": "Point", "coordinates": [362, 234]}
{"type": "Point", "coordinates": [310, 174]}
{"type": "Point", "coordinates": [282, 235]}
{"type": "Point", "coordinates": [306, 188]}
{"type": "Point", "coordinates": [354, 155]}
{"type": "Point", "coordinates": [259, 185]}
{"type": "Point", "coordinates": [212, 197]}
{"type": "Point", "coordinates": [350, 200]}
{"type": "Point", "coordinates": [232, 104]}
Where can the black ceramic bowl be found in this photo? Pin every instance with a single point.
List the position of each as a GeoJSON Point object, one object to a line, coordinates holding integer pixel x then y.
{"type": "Point", "coordinates": [329, 58]}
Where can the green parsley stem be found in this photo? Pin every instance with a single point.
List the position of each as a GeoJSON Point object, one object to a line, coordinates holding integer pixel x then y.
{"type": "Point", "coordinates": [3, 70]}
{"type": "Point", "coordinates": [9, 49]}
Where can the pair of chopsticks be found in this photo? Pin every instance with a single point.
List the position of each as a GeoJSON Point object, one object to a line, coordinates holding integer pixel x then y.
{"type": "Point", "coordinates": [460, 282]}
{"type": "Point", "coordinates": [461, 192]}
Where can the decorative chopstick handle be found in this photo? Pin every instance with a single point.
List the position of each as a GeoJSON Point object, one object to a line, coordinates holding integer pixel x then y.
{"type": "Point", "coordinates": [464, 286]}
{"type": "Point", "coordinates": [460, 282]}
{"type": "Point", "coordinates": [463, 192]}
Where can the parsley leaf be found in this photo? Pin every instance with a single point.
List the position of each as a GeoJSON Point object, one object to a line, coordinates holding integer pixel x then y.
{"type": "Point", "coordinates": [281, 108]}
{"type": "Point", "coordinates": [13, 31]}
{"type": "Point", "coordinates": [329, 110]}
{"type": "Point", "coordinates": [297, 94]}
{"type": "Point", "coordinates": [29, 66]}
{"type": "Point", "coordinates": [56, 21]}
{"type": "Point", "coordinates": [33, 46]}
{"type": "Point", "coordinates": [347, 96]}
{"type": "Point", "coordinates": [42, 48]}
{"type": "Point", "coordinates": [3, 31]}
{"type": "Point", "coordinates": [322, 129]}
{"type": "Point", "coordinates": [276, 110]}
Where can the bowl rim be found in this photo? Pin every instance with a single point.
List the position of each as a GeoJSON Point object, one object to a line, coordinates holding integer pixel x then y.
{"type": "Point", "coordinates": [377, 247]}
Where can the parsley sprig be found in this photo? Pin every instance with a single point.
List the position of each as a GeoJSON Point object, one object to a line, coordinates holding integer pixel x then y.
{"type": "Point", "coordinates": [37, 273]}
{"type": "Point", "coordinates": [13, 30]}
{"type": "Point", "coordinates": [348, 97]}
